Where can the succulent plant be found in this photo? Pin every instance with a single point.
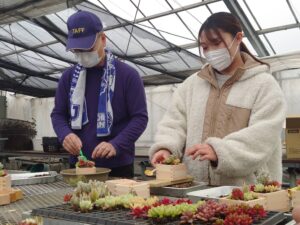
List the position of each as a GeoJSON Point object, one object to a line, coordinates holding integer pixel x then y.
{"type": "Point", "coordinates": [263, 178]}
{"type": "Point", "coordinates": [187, 218]}
{"type": "Point", "coordinates": [85, 205]}
{"type": "Point", "coordinates": [238, 219]}
{"type": "Point", "coordinates": [82, 162]}
{"type": "Point", "coordinates": [271, 188]}
{"type": "Point", "coordinates": [75, 202]}
{"type": "Point", "coordinates": [67, 197]}
{"type": "Point", "coordinates": [209, 211]}
{"type": "Point", "coordinates": [237, 194]}
{"type": "Point", "coordinates": [83, 188]}
{"type": "Point", "coordinates": [171, 160]}
{"type": "Point", "coordinates": [248, 196]}
{"type": "Point", "coordinates": [259, 188]}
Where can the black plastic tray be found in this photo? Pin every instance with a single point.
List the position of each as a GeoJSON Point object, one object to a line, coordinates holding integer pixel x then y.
{"type": "Point", "coordinates": [120, 217]}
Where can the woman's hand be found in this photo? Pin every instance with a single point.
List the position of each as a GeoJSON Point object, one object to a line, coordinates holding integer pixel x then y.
{"type": "Point", "coordinates": [204, 151]}
{"type": "Point", "coordinates": [160, 156]}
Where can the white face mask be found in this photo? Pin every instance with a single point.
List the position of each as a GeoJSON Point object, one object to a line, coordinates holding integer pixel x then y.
{"type": "Point", "coordinates": [220, 59]}
{"type": "Point", "coordinates": [88, 59]}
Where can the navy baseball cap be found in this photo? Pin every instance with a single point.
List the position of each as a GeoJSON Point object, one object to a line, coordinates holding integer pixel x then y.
{"type": "Point", "coordinates": [83, 27]}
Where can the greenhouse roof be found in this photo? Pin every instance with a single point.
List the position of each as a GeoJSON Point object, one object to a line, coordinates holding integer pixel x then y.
{"type": "Point", "coordinates": [157, 37]}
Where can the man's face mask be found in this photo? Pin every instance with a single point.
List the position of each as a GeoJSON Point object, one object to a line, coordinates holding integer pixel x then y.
{"type": "Point", "coordinates": [220, 59]}
{"type": "Point", "coordinates": [88, 59]}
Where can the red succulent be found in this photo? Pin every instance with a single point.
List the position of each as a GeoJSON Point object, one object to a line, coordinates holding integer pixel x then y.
{"type": "Point", "coordinates": [238, 219]}
{"type": "Point", "coordinates": [90, 164]}
{"type": "Point", "coordinates": [182, 200]}
{"type": "Point", "coordinates": [274, 183]}
{"type": "Point", "coordinates": [166, 201]}
{"type": "Point", "coordinates": [67, 197]}
{"type": "Point", "coordinates": [251, 187]}
{"type": "Point", "coordinates": [237, 194]}
{"type": "Point", "coordinates": [140, 212]}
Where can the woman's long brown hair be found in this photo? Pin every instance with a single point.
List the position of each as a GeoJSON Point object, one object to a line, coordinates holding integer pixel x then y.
{"type": "Point", "coordinates": [225, 22]}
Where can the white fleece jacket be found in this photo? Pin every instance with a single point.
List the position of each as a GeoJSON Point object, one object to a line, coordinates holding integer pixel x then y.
{"type": "Point", "coordinates": [242, 155]}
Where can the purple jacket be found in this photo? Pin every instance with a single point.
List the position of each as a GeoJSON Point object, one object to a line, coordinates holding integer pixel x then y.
{"type": "Point", "coordinates": [129, 108]}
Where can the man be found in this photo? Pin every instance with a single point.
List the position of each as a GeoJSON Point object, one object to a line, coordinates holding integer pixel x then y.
{"type": "Point", "coordinates": [100, 105]}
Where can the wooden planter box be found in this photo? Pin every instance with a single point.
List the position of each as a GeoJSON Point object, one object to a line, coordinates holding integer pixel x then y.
{"type": "Point", "coordinates": [295, 196]}
{"type": "Point", "coordinates": [171, 172]}
{"type": "Point", "coordinates": [10, 195]}
{"type": "Point", "coordinates": [15, 195]}
{"type": "Point", "coordinates": [5, 182]}
{"type": "Point", "coordinates": [4, 198]}
{"type": "Point", "coordinates": [84, 171]}
{"type": "Point", "coordinates": [260, 201]}
{"type": "Point", "coordinates": [126, 186]}
{"type": "Point", "coordinates": [277, 201]}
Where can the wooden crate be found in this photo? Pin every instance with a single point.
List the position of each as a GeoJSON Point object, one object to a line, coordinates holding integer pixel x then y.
{"type": "Point", "coordinates": [16, 193]}
{"type": "Point", "coordinates": [260, 201]}
{"type": "Point", "coordinates": [4, 196]}
{"type": "Point", "coordinates": [112, 184]}
{"type": "Point", "coordinates": [295, 196]}
{"type": "Point", "coordinates": [171, 172]}
{"type": "Point", "coordinates": [277, 201]}
{"type": "Point", "coordinates": [140, 189]}
{"type": "Point", "coordinates": [84, 171]}
{"type": "Point", "coordinates": [5, 182]}
{"type": "Point", "coordinates": [125, 186]}
{"type": "Point", "coordinates": [10, 195]}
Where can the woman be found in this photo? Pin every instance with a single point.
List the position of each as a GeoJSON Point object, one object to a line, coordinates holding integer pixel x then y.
{"type": "Point", "coordinates": [225, 121]}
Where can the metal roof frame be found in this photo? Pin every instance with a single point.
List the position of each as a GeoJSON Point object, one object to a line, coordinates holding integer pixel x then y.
{"type": "Point", "coordinates": [146, 61]}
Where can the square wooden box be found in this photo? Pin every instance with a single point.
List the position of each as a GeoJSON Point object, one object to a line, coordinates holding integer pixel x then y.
{"type": "Point", "coordinates": [112, 184]}
{"type": "Point", "coordinates": [277, 201]}
{"type": "Point", "coordinates": [125, 186]}
{"type": "Point", "coordinates": [15, 194]}
{"type": "Point", "coordinates": [5, 182]}
{"type": "Point", "coordinates": [4, 198]}
{"type": "Point", "coordinates": [295, 196]}
{"type": "Point", "coordinates": [140, 189]}
{"type": "Point", "coordinates": [260, 201]}
{"type": "Point", "coordinates": [10, 195]}
{"type": "Point", "coordinates": [171, 172]}
{"type": "Point", "coordinates": [87, 170]}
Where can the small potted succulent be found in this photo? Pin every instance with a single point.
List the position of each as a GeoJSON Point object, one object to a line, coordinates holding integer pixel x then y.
{"type": "Point", "coordinates": [85, 166]}
{"type": "Point", "coordinates": [243, 196]}
{"type": "Point", "coordinates": [277, 199]}
{"type": "Point", "coordinates": [171, 169]}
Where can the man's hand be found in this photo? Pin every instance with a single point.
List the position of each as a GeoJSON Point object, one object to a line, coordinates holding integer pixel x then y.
{"type": "Point", "coordinates": [72, 144]}
{"type": "Point", "coordinates": [205, 151]}
{"type": "Point", "coordinates": [160, 156]}
{"type": "Point", "coordinates": [104, 149]}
